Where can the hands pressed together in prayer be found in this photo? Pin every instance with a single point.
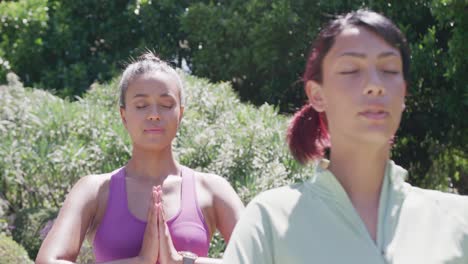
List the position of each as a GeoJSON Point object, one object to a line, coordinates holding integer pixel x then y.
{"type": "Point", "coordinates": [157, 242]}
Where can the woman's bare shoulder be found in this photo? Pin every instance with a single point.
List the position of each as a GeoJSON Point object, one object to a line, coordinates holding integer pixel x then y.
{"type": "Point", "coordinates": [220, 188]}
{"type": "Point", "coordinates": [94, 186]}
{"type": "Point", "coordinates": [94, 182]}
{"type": "Point", "coordinates": [212, 181]}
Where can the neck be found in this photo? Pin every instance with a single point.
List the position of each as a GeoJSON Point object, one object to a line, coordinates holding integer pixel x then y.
{"type": "Point", "coordinates": [152, 165]}
{"type": "Point", "coordinates": [360, 170]}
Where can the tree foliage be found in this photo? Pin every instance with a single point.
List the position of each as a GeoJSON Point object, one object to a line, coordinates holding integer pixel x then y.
{"type": "Point", "coordinates": [260, 47]}
{"type": "Point", "coordinates": [67, 45]}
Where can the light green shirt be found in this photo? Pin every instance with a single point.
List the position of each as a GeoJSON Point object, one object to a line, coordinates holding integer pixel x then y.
{"type": "Point", "coordinates": [315, 222]}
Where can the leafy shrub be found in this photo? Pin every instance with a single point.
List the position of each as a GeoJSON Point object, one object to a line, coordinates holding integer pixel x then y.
{"type": "Point", "coordinates": [4, 226]}
{"type": "Point", "coordinates": [86, 255]}
{"type": "Point", "coordinates": [239, 141]}
{"type": "Point", "coordinates": [28, 226]}
{"type": "Point", "coordinates": [45, 145]}
{"type": "Point", "coordinates": [49, 143]}
{"type": "Point", "coordinates": [11, 252]}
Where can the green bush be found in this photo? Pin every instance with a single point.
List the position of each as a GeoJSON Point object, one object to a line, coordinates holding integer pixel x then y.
{"type": "Point", "coordinates": [49, 143]}
{"type": "Point", "coordinates": [4, 226]}
{"type": "Point", "coordinates": [86, 255]}
{"type": "Point", "coordinates": [28, 228]}
{"type": "Point", "coordinates": [239, 141]}
{"type": "Point", "coordinates": [45, 144]}
{"type": "Point", "coordinates": [11, 252]}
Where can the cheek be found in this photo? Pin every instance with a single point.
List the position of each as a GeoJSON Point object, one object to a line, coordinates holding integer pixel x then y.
{"type": "Point", "coordinates": [133, 118]}
{"type": "Point", "coordinates": [172, 117]}
{"type": "Point", "coordinates": [340, 96]}
{"type": "Point", "coordinates": [397, 83]}
{"type": "Point", "coordinates": [399, 94]}
{"type": "Point", "coordinates": [339, 108]}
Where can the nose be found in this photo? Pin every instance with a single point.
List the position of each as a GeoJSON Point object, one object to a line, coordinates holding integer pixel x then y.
{"type": "Point", "coordinates": [153, 114]}
{"type": "Point", "coordinates": [154, 118]}
{"type": "Point", "coordinates": [374, 86]}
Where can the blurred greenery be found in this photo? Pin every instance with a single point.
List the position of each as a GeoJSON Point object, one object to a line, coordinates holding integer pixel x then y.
{"type": "Point", "coordinates": [66, 45]}
{"type": "Point", "coordinates": [48, 143]}
{"type": "Point", "coordinates": [30, 223]}
{"type": "Point", "coordinates": [12, 252]}
{"type": "Point", "coordinates": [253, 53]}
{"type": "Point", "coordinates": [260, 47]}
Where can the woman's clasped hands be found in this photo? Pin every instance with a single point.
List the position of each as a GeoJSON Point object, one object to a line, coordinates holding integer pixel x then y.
{"type": "Point", "coordinates": [157, 242]}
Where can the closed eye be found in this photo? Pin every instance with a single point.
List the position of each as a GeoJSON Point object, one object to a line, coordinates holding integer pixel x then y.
{"type": "Point", "coordinates": [141, 106]}
{"type": "Point", "coordinates": [390, 72]}
{"type": "Point", "coordinates": [348, 72]}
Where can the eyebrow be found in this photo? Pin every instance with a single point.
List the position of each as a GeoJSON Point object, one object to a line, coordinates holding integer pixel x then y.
{"type": "Point", "coordinates": [167, 95]}
{"type": "Point", "coordinates": [164, 95]}
{"type": "Point", "coordinates": [353, 54]}
{"type": "Point", "coordinates": [140, 95]}
{"type": "Point", "coordinates": [388, 54]}
{"type": "Point", "coordinates": [363, 55]}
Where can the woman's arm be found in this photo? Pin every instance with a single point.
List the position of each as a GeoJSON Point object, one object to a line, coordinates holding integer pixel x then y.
{"type": "Point", "coordinates": [227, 204]}
{"type": "Point", "coordinates": [228, 208]}
{"type": "Point", "coordinates": [63, 242]}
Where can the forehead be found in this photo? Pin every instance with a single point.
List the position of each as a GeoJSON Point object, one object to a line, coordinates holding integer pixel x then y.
{"type": "Point", "coordinates": [360, 40]}
{"type": "Point", "coordinates": [154, 83]}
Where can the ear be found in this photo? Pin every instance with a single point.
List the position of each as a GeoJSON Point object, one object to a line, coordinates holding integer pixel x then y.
{"type": "Point", "coordinates": [122, 116]}
{"type": "Point", "coordinates": [315, 95]}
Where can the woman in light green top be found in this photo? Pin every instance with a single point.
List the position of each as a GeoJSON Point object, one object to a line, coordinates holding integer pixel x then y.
{"type": "Point", "coordinates": [355, 208]}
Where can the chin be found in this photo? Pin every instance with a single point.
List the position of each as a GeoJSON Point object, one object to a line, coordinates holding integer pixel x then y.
{"type": "Point", "coordinates": [154, 146]}
{"type": "Point", "coordinates": [377, 138]}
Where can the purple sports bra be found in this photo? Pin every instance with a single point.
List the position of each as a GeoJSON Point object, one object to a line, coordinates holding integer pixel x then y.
{"type": "Point", "coordinates": [120, 234]}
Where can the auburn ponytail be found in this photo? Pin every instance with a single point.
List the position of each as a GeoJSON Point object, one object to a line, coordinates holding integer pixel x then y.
{"type": "Point", "coordinates": [307, 134]}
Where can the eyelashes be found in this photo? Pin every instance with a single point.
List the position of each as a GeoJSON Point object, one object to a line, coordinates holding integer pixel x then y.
{"type": "Point", "coordinates": [164, 106]}
{"type": "Point", "coordinates": [391, 72]}
{"type": "Point", "coordinates": [350, 72]}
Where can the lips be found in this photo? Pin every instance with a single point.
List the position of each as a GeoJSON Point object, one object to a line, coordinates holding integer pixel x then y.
{"type": "Point", "coordinates": [374, 114]}
{"type": "Point", "coordinates": [155, 130]}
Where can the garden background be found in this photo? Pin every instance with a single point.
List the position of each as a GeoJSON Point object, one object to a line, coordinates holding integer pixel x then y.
{"type": "Point", "coordinates": [59, 114]}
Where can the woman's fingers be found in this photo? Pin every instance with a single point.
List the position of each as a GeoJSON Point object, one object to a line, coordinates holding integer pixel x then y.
{"type": "Point", "coordinates": [158, 191]}
{"type": "Point", "coordinates": [149, 252]}
{"type": "Point", "coordinates": [161, 222]}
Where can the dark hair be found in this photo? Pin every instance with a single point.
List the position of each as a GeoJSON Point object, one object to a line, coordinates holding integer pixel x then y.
{"type": "Point", "coordinates": [307, 134]}
{"type": "Point", "coordinates": [147, 62]}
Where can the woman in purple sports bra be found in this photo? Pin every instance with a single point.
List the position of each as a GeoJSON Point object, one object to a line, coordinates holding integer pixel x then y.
{"type": "Point", "coordinates": [152, 210]}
